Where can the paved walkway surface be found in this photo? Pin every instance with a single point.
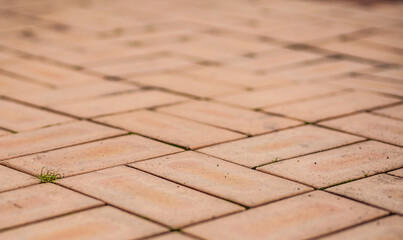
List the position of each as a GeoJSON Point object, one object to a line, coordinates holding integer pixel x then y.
{"type": "Point", "coordinates": [205, 119]}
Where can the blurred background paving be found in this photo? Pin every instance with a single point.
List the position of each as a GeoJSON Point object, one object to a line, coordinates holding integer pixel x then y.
{"type": "Point", "coordinates": [201, 119]}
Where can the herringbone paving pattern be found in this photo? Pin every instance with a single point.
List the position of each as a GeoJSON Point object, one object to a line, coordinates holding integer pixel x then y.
{"type": "Point", "coordinates": [201, 119]}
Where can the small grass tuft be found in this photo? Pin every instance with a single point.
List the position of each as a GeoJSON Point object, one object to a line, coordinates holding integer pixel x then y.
{"type": "Point", "coordinates": [366, 174]}
{"type": "Point", "coordinates": [49, 176]}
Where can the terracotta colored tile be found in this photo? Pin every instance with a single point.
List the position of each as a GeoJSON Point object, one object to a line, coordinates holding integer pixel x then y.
{"type": "Point", "coordinates": [284, 144]}
{"type": "Point", "coordinates": [10, 86]}
{"type": "Point", "coordinates": [339, 165]}
{"type": "Point", "coordinates": [18, 117]}
{"type": "Point", "coordinates": [221, 178]}
{"type": "Point", "coordinates": [52, 137]}
{"type": "Point", "coordinates": [386, 228]}
{"type": "Point", "coordinates": [186, 85]}
{"type": "Point", "coordinates": [93, 156]}
{"type": "Point", "coordinates": [40, 201]}
{"type": "Point", "coordinates": [245, 121]}
{"type": "Point", "coordinates": [150, 196]}
{"type": "Point", "coordinates": [331, 106]}
{"type": "Point", "coordinates": [300, 217]}
{"type": "Point", "coordinates": [366, 83]}
{"type": "Point", "coordinates": [381, 190]}
{"type": "Point", "coordinates": [118, 103]}
{"type": "Point", "coordinates": [173, 236]}
{"type": "Point", "coordinates": [11, 179]}
{"type": "Point", "coordinates": [171, 129]}
{"type": "Point", "coordinates": [390, 73]}
{"type": "Point", "coordinates": [72, 94]}
{"type": "Point", "coordinates": [371, 126]}
{"type": "Point", "coordinates": [100, 223]}
{"type": "Point", "coordinates": [274, 96]}
{"type": "Point", "coordinates": [398, 173]}
{"type": "Point", "coordinates": [394, 112]}
{"type": "Point", "coordinates": [48, 73]}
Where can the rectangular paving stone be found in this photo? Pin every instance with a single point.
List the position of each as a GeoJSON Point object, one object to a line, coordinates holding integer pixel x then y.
{"type": "Point", "coordinates": [393, 112]}
{"type": "Point", "coordinates": [92, 156]}
{"type": "Point", "coordinates": [186, 85]}
{"type": "Point", "coordinates": [149, 196]}
{"type": "Point", "coordinates": [331, 106]}
{"type": "Point", "coordinates": [18, 117]}
{"type": "Point", "coordinates": [245, 121]}
{"type": "Point", "coordinates": [339, 165]}
{"type": "Point", "coordinates": [386, 228]}
{"type": "Point", "coordinates": [221, 178]}
{"type": "Point", "coordinates": [398, 172]}
{"type": "Point", "coordinates": [106, 223]}
{"type": "Point", "coordinates": [38, 202]}
{"type": "Point", "coordinates": [171, 129]}
{"type": "Point", "coordinates": [371, 126]}
{"type": "Point", "coordinates": [59, 96]}
{"type": "Point", "coordinates": [279, 145]}
{"type": "Point", "coordinates": [10, 86]}
{"type": "Point", "coordinates": [118, 103]}
{"type": "Point", "coordinates": [53, 137]}
{"type": "Point", "coordinates": [381, 190]}
{"type": "Point", "coordinates": [11, 179]}
{"type": "Point", "coordinates": [300, 217]}
{"type": "Point", "coordinates": [274, 96]}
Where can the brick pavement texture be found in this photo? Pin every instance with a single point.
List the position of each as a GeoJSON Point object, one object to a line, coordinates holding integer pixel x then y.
{"type": "Point", "coordinates": [201, 119]}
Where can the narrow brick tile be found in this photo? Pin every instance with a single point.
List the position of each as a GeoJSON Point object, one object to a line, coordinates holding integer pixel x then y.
{"type": "Point", "coordinates": [92, 156]}
{"type": "Point", "coordinates": [382, 190]}
{"type": "Point", "coordinates": [366, 83]}
{"type": "Point", "coordinates": [48, 73]}
{"type": "Point", "coordinates": [221, 178]}
{"type": "Point", "coordinates": [394, 112]}
{"type": "Point", "coordinates": [119, 103]}
{"type": "Point", "coordinates": [248, 122]}
{"type": "Point", "coordinates": [17, 117]}
{"type": "Point", "coordinates": [40, 201]}
{"type": "Point", "coordinates": [371, 126]}
{"type": "Point", "coordinates": [52, 137]}
{"type": "Point", "coordinates": [11, 179]}
{"type": "Point", "coordinates": [173, 236]}
{"type": "Point", "coordinates": [398, 172]}
{"type": "Point", "coordinates": [11, 86]}
{"type": "Point", "coordinates": [339, 165]}
{"type": "Point", "coordinates": [186, 85]}
{"type": "Point", "coordinates": [279, 145]}
{"type": "Point", "coordinates": [273, 96]}
{"type": "Point", "coordinates": [300, 217]}
{"type": "Point", "coordinates": [150, 196]}
{"type": "Point", "coordinates": [331, 106]}
{"type": "Point", "coordinates": [171, 129]}
{"type": "Point", "coordinates": [51, 97]}
{"type": "Point", "coordinates": [100, 223]}
{"type": "Point", "coordinates": [386, 228]}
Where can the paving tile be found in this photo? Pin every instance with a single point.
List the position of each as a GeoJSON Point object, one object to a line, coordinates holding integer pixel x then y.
{"type": "Point", "coordinates": [171, 129]}
{"type": "Point", "coordinates": [14, 86]}
{"type": "Point", "coordinates": [173, 236]}
{"type": "Point", "coordinates": [279, 145]}
{"type": "Point", "coordinates": [48, 73]}
{"type": "Point", "coordinates": [18, 117]}
{"type": "Point", "coordinates": [371, 126]}
{"type": "Point", "coordinates": [51, 97]}
{"type": "Point", "coordinates": [300, 217]}
{"type": "Point", "coordinates": [11, 179]}
{"type": "Point", "coordinates": [245, 121]}
{"type": "Point", "coordinates": [92, 156]}
{"type": "Point", "coordinates": [381, 190]}
{"type": "Point", "coordinates": [221, 178]}
{"type": "Point", "coordinates": [386, 228]}
{"type": "Point", "coordinates": [274, 96]}
{"type": "Point", "coordinates": [186, 85]}
{"type": "Point", "coordinates": [38, 202]}
{"type": "Point", "coordinates": [331, 106]}
{"type": "Point", "coordinates": [118, 103]}
{"type": "Point", "coordinates": [366, 83]}
{"type": "Point", "coordinates": [53, 137]}
{"type": "Point", "coordinates": [398, 172]}
{"type": "Point", "coordinates": [100, 223]}
{"type": "Point", "coordinates": [339, 165]}
{"type": "Point", "coordinates": [394, 112]}
{"type": "Point", "coordinates": [150, 196]}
